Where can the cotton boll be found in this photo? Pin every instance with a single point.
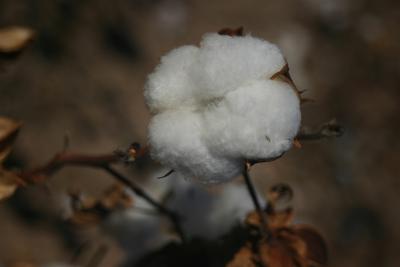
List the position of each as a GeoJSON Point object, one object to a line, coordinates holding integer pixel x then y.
{"type": "Point", "coordinates": [169, 85]}
{"type": "Point", "coordinates": [176, 138]}
{"type": "Point", "coordinates": [257, 121]}
{"type": "Point", "coordinates": [215, 107]}
{"type": "Point", "coordinates": [225, 63]}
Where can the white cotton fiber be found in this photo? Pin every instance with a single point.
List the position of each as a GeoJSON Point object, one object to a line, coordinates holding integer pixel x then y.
{"type": "Point", "coordinates": [256, 121]}
{"type": "Point", "coordinates": [176, 139]}
{"type": "Point", "coordinates": [215, 107]}
{"type": "Point", "coordinates": [170, 85]}
{"type": "Point", "coordinates": [225, 63]}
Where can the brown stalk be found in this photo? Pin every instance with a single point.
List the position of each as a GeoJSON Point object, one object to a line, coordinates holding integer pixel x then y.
{"type": "Point", "coordinates": [102, 162]}
{"type": "Point", "coordinates": [265, 231]}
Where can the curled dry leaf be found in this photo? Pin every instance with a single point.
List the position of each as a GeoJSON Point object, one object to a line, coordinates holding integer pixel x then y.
{"type": "Point", "coordinates": [14, 39]}
{"type": "Point", "coordinates": [9, 182]}
{"type": "Point", "coordinates": [116, 197]}
{"type": "Point", "coordinates": [8, 132]}
{"type": "Point", "coordinates": [284, 76]}
{"type": "Point", "coordinates": [284, 250]}
{"type": "Point", "coordinates": [288, 245]}
{"type": "Point", "coordinates": [89, 211]}
{"type": "Point", "coordinates": [316, 247]}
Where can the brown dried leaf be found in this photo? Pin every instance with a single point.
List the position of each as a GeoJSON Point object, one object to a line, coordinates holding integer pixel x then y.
{"type": "Point", "coordinates": [284, 76]}
{"type": "Point", "coordinates": [89, 211]}
{"type": "Point", "coordinates": [295, 246]}
{"type": "Point", "coordinates": [277, 253]}
{"type": "Point", "coordinates": [8, 132]}
{"type": "Point", "coordinates": [316, 247]}
{"type": "Point", "coordinates": [9, 182]}
{"type": "Point", "coordinates": [253, 219]}
{"type": "Point", "coordinates": [14, 39]}
{"type": "Point", "coordinates": [280, 219]}
{"type": "Point", "coordinates": [116, 197]}
{"type": "Point", "coordinates": [288, 245]}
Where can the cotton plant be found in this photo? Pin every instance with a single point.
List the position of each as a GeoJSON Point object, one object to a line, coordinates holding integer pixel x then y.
{"type": "Point", "coordinates": [220, 105]}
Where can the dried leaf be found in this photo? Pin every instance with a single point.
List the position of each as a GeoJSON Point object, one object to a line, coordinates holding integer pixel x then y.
{"type": "Point", "coordinates": [288, 245]}
{"type": "Point", "coordinates": [277, 253]}
{"type": "Point", "coordinates": [9, 182]}
{"type": "Point", "coordinates": [280, 219]}
{"type": "Point", "coordinates": [116, 197]}
{"type": "Point", "coordinates": [284, 76]}
{"type": "Point", "coordinates": [89, 211]}
{"type": "Point", "coordinates": [316, 247]}
{"type": "Point", "coordinates": [14, 39]}
{"type": "Point", "coordinates": [274, 220]}
{"type": "Point", "coordinates": [8, 132]}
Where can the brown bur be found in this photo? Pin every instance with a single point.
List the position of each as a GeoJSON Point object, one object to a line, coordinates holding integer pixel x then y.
{"type": "Point", "coordinates": [287, 245]}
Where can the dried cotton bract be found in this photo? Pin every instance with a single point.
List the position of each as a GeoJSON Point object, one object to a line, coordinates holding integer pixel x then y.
{"type": "Point", "coordinates": [219, 104]}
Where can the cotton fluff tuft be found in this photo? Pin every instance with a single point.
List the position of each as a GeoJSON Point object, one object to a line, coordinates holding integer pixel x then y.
{"type": "Point", "coordinates": [215, 106]}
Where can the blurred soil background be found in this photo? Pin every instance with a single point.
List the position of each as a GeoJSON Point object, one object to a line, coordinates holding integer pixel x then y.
{"type": "Point", "coordinates": [83, 77]}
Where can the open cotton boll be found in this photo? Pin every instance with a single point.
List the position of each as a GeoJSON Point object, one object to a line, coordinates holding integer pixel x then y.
{"type": "Point", "coordinates": [225, 63]}
{"type": "Point", "coordinates": [216, 106]}
{"type": "Point", "coordinates": [256, 121]}
{"type": "Point", "coordinates": [170, 85]}
{"type": "Point", "coordinates": [177, 141]}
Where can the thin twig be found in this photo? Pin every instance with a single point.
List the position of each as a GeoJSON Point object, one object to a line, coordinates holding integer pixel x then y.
{"type": "Point", "coordinates": [175, 219]}
{"type": "Point", "coordinates": [264, 226]}
{"type": "Point", "coordinates": [101, 162]}
{"type": "Point", "coordinates": [62, 159]}
{"type": "Point", "coordinates": [326, 130]}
